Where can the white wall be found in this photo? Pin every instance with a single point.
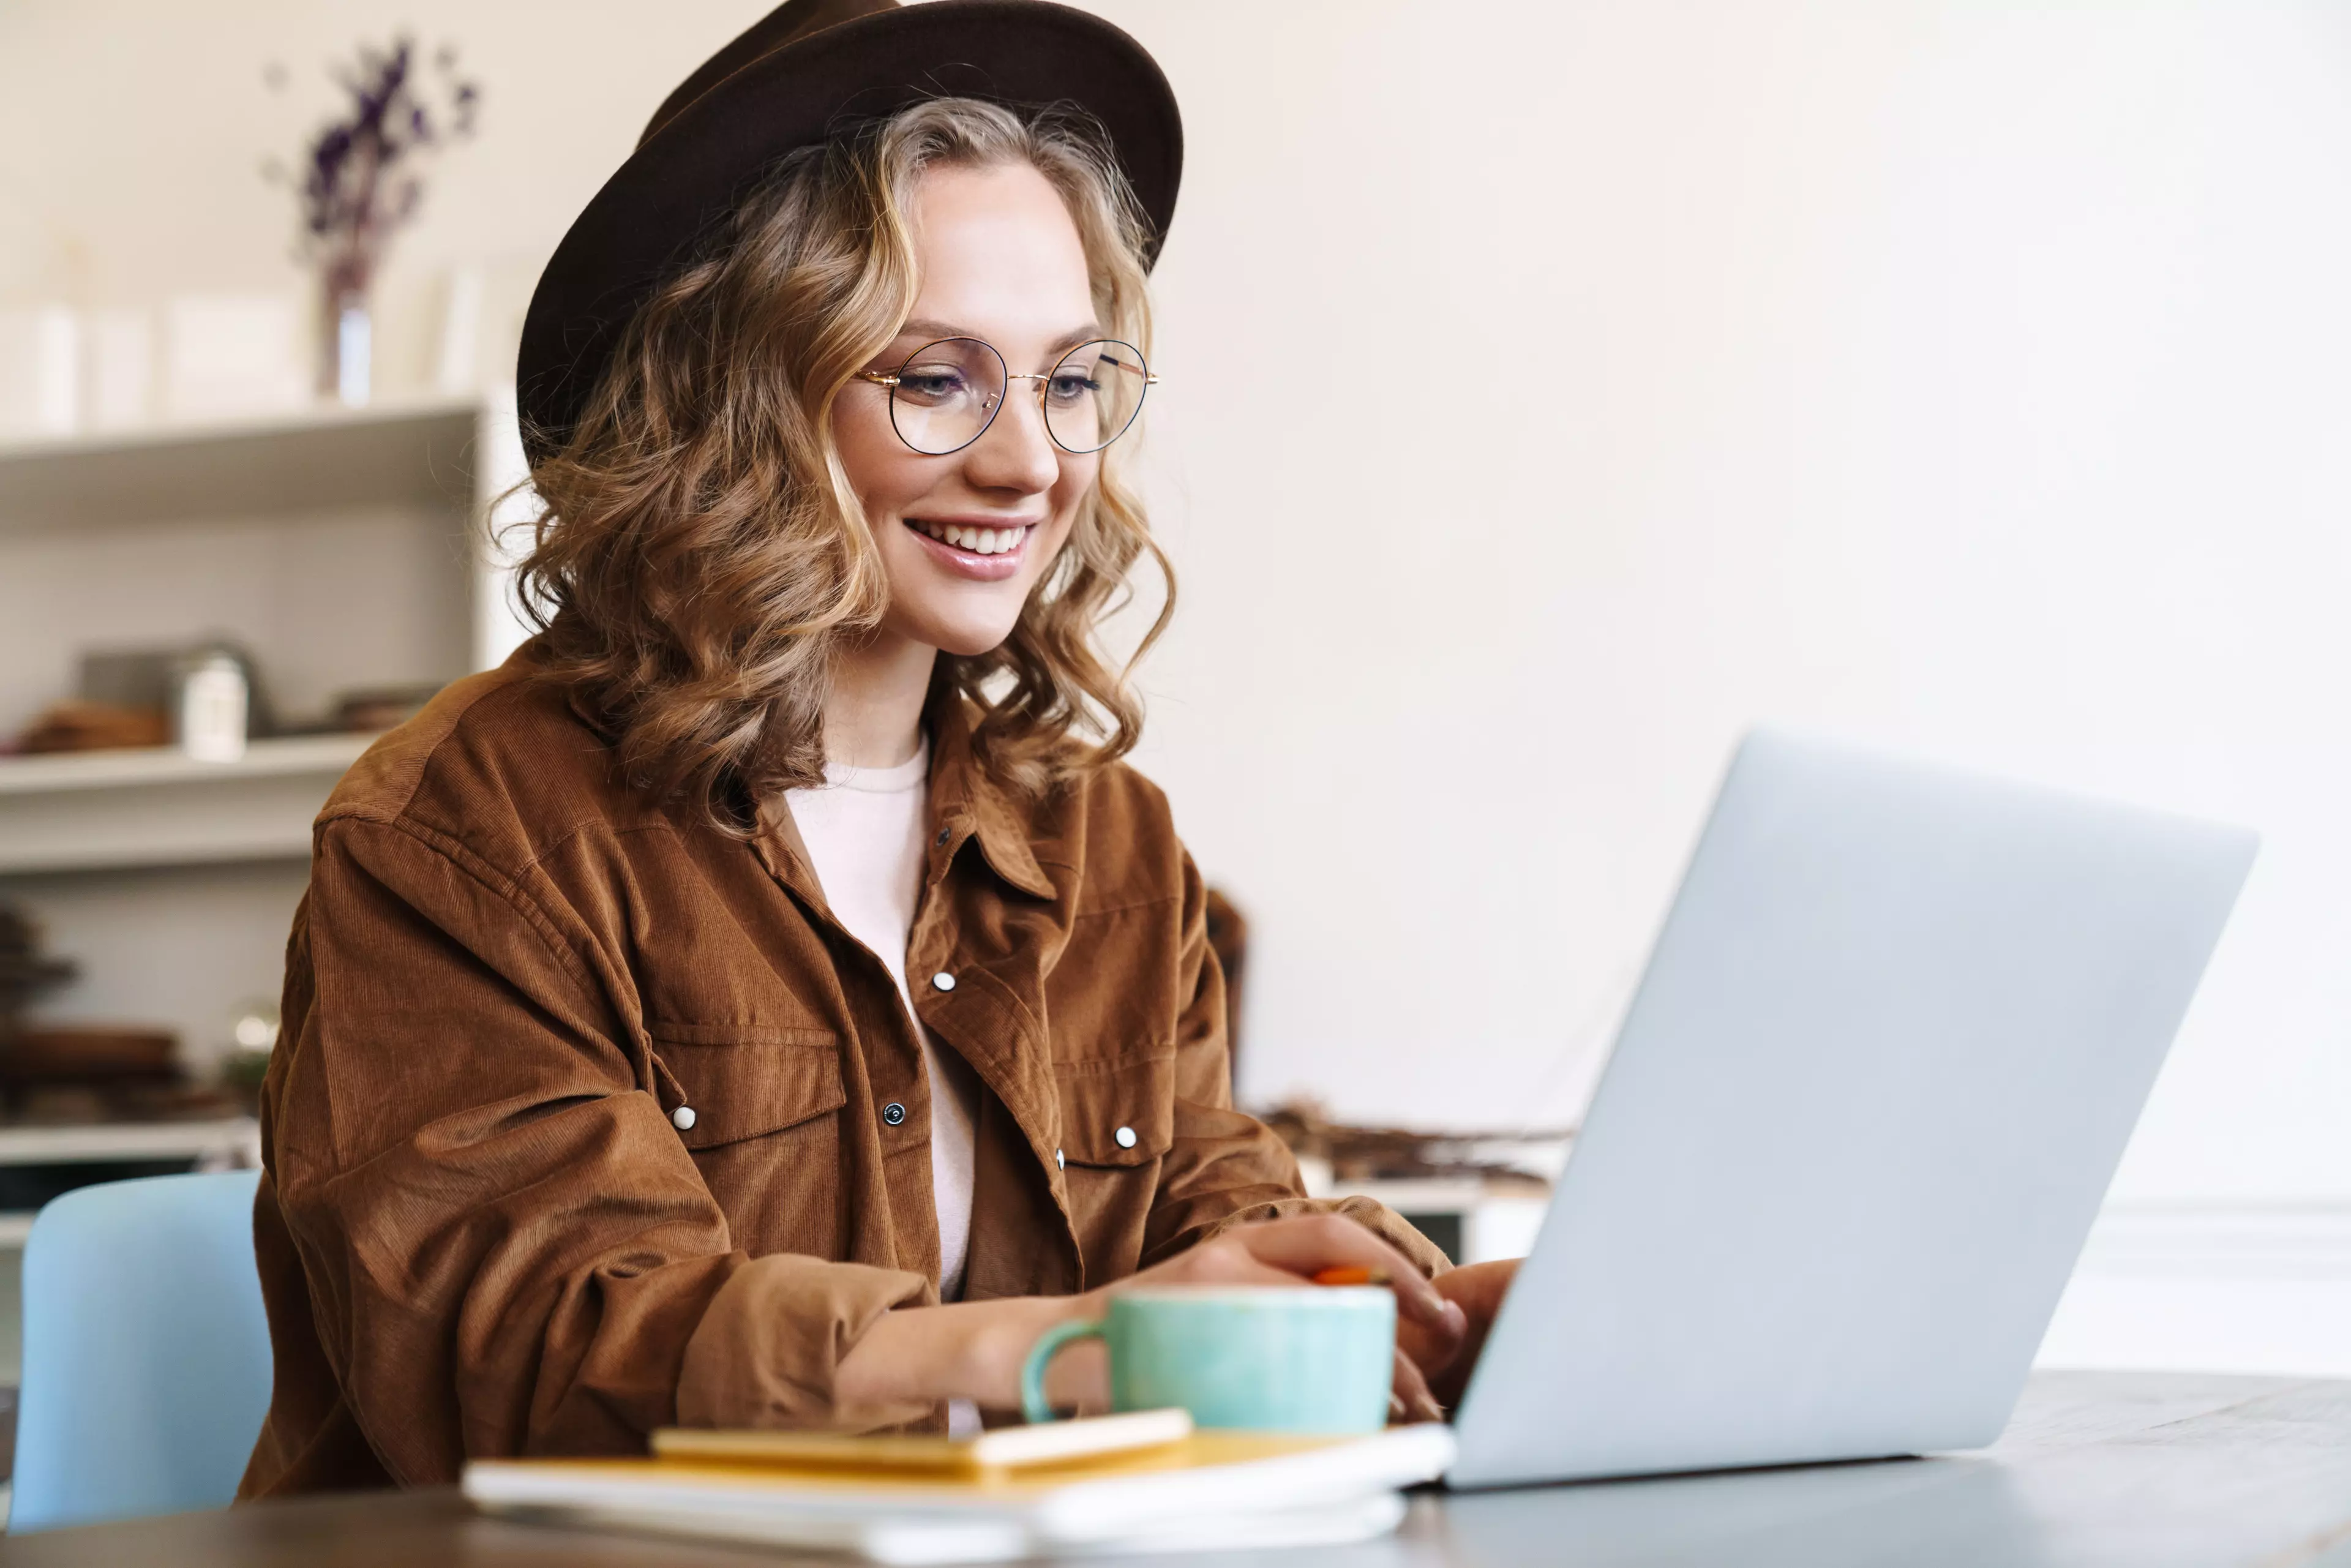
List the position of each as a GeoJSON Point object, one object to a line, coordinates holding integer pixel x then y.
{"type": "Point", "coordinates": [1963, 377]}
{"type": "Point", "coordinates": [1554, 389]}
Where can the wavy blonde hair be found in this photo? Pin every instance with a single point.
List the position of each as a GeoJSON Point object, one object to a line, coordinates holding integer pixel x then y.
{"type": "Point", "coordinates": [700, 554]}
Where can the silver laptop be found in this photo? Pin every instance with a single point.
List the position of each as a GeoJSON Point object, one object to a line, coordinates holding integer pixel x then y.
{"type": "Point", "coordinates": [1891, 1042]}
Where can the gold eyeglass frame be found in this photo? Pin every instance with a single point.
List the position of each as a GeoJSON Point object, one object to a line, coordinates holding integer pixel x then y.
{"type": "Point", "coordinates": [890, 379]}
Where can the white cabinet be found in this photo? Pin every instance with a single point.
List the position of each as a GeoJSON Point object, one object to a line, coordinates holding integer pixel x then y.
{"type": "Point", "coordinates": [133, 810]}
{"type": "Point", "coordinates": [343, 549]}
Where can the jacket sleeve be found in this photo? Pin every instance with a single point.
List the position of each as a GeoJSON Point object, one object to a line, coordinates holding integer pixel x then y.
{"type": "Point", "coordinates": [1225, 1167]}
{"type": "Point", "coordinates": [507, 1249]}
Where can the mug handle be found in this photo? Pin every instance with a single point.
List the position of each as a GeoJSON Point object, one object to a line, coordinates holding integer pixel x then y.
{"type": "Point", "coordinates": [1033, 1406]}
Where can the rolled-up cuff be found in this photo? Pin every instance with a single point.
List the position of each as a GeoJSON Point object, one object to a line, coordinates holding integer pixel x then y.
{"type": "Point", "coordinates": [767, 1348]}
{"type": "Point", "coordinates": [1371, 1214]}
{"type": "Point", "coordinates": [1395, 1230]}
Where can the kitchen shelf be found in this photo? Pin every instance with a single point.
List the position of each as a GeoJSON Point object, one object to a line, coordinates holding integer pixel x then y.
{"type": "Point", "coordinates": [315, 459]}
{"type": "Point", "coordinates": [231, 1139]}
{"type": "Point", "coordinates": [231, 1142]}
{"type": "Point", "coordinates": [107, 810]}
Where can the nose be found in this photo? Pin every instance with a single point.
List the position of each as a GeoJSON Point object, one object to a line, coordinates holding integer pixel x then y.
{"type": "Point", "coordinates": [1015, 455]}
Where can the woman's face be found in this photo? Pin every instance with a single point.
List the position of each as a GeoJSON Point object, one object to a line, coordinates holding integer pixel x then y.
{"type": "Point", "coordinates": [1000, 262]}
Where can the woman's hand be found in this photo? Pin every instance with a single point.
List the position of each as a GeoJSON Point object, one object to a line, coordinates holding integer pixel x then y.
{"type": "Point", "coordinates": [1291, 1252]}
{"type": "Point", "coordinates": [1447, 1361]}
{"type": "Point", "coordinates": [974, 1349]}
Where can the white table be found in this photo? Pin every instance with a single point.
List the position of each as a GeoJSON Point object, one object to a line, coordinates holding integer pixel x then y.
{"type": "Point", "coordinates": [2142, 1469]}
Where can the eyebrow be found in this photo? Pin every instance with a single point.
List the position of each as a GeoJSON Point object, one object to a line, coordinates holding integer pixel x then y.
{"type": "Point", "coordinates": [932, 332]}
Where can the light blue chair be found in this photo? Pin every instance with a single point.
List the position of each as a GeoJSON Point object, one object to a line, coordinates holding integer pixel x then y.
{"type": "Point", "coordinates": [147, 1364]}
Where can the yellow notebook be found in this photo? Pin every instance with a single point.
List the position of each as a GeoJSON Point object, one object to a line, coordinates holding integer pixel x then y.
{"type": "Point", "coordinates": [1007, 1448]}
{"type": "Point", "coordinates": [913, 1501]}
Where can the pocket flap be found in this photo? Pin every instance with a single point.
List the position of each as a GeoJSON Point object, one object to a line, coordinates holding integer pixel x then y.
{"type": "Point", "coordinates": [743, 1080]}
{"type": "Point", "coordinates": [1102, 1100]}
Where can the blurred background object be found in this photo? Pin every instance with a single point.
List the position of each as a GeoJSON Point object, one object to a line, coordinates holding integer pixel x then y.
{"type": "Point", "coordinates": [40, 372]}
{"type": "Point", "coordinates": [207, 699]}
{"type": "Point", "coordinates": [253, 1035]}
{"type": "Point", "coordinates": [70, 1075]}
{"type": "Point", "coordinates": [135, 680]}
{"type": "Point", "coordinates": [25, 971]}
{"type": "Point", "coordinates": [367, 712]}
{"type": "Point", "coordinates": [1479, 1196]}
{"type": "Point", "coordinates": [212, 705]}
{"type": "Point", "coordinates": [119, 369]}
{"type": "Point", "coordinates": [76, 725]}
{"type": "Point", "coordinates": [360, 180]}
{"type": "Point", "coordinates": [231, 355]}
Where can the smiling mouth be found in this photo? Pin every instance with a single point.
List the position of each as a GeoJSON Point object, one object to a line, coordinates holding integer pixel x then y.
{"type": "Point", "coordinates": [977, 541]}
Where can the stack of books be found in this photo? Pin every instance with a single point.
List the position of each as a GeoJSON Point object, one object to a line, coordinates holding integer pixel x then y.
{"type": "Point", "coordinates": [1141, 1482]}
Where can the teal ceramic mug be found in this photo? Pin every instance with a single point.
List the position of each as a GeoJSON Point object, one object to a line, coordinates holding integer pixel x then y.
{"type": "Point", "coordinates": [1315, 1358]}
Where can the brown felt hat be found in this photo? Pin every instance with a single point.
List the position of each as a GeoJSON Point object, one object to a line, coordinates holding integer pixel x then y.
{"type": "Point", "coordinates": [807, 70]}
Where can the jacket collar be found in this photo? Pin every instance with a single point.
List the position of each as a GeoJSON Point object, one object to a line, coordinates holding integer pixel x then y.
{"type": "Point", "coordinates": [963, 798]}
{"type": "Point", "coordinates": [965, 803]}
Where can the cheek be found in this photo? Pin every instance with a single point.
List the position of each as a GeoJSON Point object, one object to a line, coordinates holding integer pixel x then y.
{"type": "Point", "coordinates": [882, 472]}
{"type": "Point", "coordinates": [1077, 482]}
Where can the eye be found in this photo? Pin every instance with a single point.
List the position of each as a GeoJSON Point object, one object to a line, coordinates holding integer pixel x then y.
{"type": "Point", "coordinates": [1072, 386]}
{"type": "Point", "coordinates": [933, 384]}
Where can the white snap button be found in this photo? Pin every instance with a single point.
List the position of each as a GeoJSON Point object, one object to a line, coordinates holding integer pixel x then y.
{"type": "Point", "coordinates": [1126, 1136]}
{"type": "Point", "coordinates": [942, 981]}
{"type": "Point", "coordinates": [682, 1118]}
{"type": "Point", "coordinates": [1057, 1159]}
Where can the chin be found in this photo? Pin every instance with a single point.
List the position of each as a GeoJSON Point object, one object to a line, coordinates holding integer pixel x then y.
{"type": "Point", "coordinates": [963, 637]}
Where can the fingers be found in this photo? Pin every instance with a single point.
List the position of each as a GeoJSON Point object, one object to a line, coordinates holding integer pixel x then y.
{"type": "Point", "coordinates": [1308, 1243]}
{"type": "Point", "coordinates": [1432, 1352]}
{"type": "Point", "coordinates": [1078, 1378]}
{"type": "Point", "coordinates": [1478, 1291]}
{"type": "Point", "coordinates": [1217, 1264]}
{"type": "Point", "coordinates": [1409, 1398]}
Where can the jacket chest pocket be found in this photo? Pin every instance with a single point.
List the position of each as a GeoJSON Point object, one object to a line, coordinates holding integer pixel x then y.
{"type": "Point", "coordinates": [745, 1080]}
{"type": "Point", "coordinates": [1118, 1114]}
{"type": "Point", "coordinates": [1118, 1121]}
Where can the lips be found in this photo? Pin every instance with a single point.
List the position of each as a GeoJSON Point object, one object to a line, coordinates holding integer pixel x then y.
{"type": "Point", "coordinates": [985, 552]}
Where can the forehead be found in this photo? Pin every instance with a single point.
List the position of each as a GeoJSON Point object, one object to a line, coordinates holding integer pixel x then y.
{"type": "Point", "coordinates": [999, 255]}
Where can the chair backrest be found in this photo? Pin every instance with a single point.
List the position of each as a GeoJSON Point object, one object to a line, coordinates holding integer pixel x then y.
{"type": "Point", "coordinates": [146, 1360]}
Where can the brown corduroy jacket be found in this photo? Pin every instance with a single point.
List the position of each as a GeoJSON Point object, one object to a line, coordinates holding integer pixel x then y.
{"type": "Point", "coordinates": [487, 1227]}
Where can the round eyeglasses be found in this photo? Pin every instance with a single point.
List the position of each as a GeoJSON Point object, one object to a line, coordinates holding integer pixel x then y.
{"type": "Point", "coordinates": [947, 393]}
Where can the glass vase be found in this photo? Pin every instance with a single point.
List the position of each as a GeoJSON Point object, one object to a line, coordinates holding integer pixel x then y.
{"type": "Point", "coordinates": [346, 343]}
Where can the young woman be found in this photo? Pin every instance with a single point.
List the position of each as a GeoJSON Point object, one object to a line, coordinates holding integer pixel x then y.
{"type": "Point", "coordinates": [767, 999]}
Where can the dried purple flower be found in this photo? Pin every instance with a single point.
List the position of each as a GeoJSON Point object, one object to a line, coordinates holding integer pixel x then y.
{"type": "Point", "coordinates": [357, 183]}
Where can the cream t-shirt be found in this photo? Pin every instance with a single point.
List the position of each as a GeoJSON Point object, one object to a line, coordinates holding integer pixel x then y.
{"type": "Point", "coordinates": [867, 829]}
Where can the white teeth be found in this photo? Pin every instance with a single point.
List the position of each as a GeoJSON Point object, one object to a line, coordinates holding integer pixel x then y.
{"type": "Point", "coordinates": [979, 541]}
